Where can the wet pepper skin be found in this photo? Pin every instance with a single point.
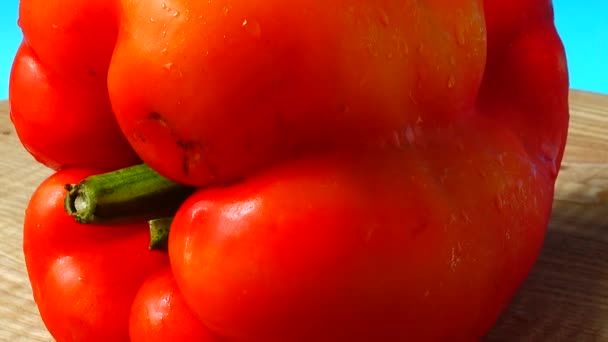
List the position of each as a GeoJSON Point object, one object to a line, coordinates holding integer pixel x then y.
{"type": "Point", "coordinates": [391, 164]}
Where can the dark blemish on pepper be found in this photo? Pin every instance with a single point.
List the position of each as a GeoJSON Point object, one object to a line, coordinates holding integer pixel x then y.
{"type": "Point", "coordinates": [155, 116]}
{"type": "Point", "coordinates": [192, 150]}
{"type": "Point", "coordinates": [194, 155]}
{"type": "Point", "coordinates": [191, 155]}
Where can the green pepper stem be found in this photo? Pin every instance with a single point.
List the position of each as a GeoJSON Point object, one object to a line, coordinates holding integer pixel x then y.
{"type": "Point", "coordinates": [133, 193]}
{"type": "Point", "coordinates": [159, 233]}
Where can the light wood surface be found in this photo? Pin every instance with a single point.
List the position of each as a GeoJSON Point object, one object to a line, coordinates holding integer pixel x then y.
{"type": "Point", "coordinates": [565, 298]}
{"type": "Point", "coordinates": [19, 176]}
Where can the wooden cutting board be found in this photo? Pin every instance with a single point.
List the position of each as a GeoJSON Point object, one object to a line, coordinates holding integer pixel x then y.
{"type": "Point", "coordinates": [565, 298]}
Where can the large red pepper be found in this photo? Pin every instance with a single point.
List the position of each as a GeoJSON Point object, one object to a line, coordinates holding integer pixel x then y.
{"type": "Point", "coordinates": [367, 170]}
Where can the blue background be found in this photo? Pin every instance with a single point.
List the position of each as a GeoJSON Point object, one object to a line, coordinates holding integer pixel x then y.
{"type": "Point", "coordinates": [582, 24]}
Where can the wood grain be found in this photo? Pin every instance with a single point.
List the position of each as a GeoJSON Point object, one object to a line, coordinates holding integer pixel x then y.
{"type": "Point", "coordinates": [19, 176]}
{"type": "Point", "coordinates": [565, 298]}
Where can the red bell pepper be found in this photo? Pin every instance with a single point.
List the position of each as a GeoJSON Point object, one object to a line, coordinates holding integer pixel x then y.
{"type": "Point", "coordinates": [364, 170]}
{"type": "Point", "coordinates": [84, 277]}
{"type": "Point", "coordinates": [159, 313]}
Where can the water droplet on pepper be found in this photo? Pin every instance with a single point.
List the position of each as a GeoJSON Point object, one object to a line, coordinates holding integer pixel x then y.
{"type": "Point", "coordinates": [252, 27]}
{"type": "Point", "coordinates": [451, 81]}
{"type": "Point", "coordinates": [460, 39]}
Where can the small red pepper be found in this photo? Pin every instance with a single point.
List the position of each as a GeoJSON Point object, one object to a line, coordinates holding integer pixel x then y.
{"type": "Point", "coordinates": [84, 277]}
{"type": "Point", "coordinates": [159, 313]}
